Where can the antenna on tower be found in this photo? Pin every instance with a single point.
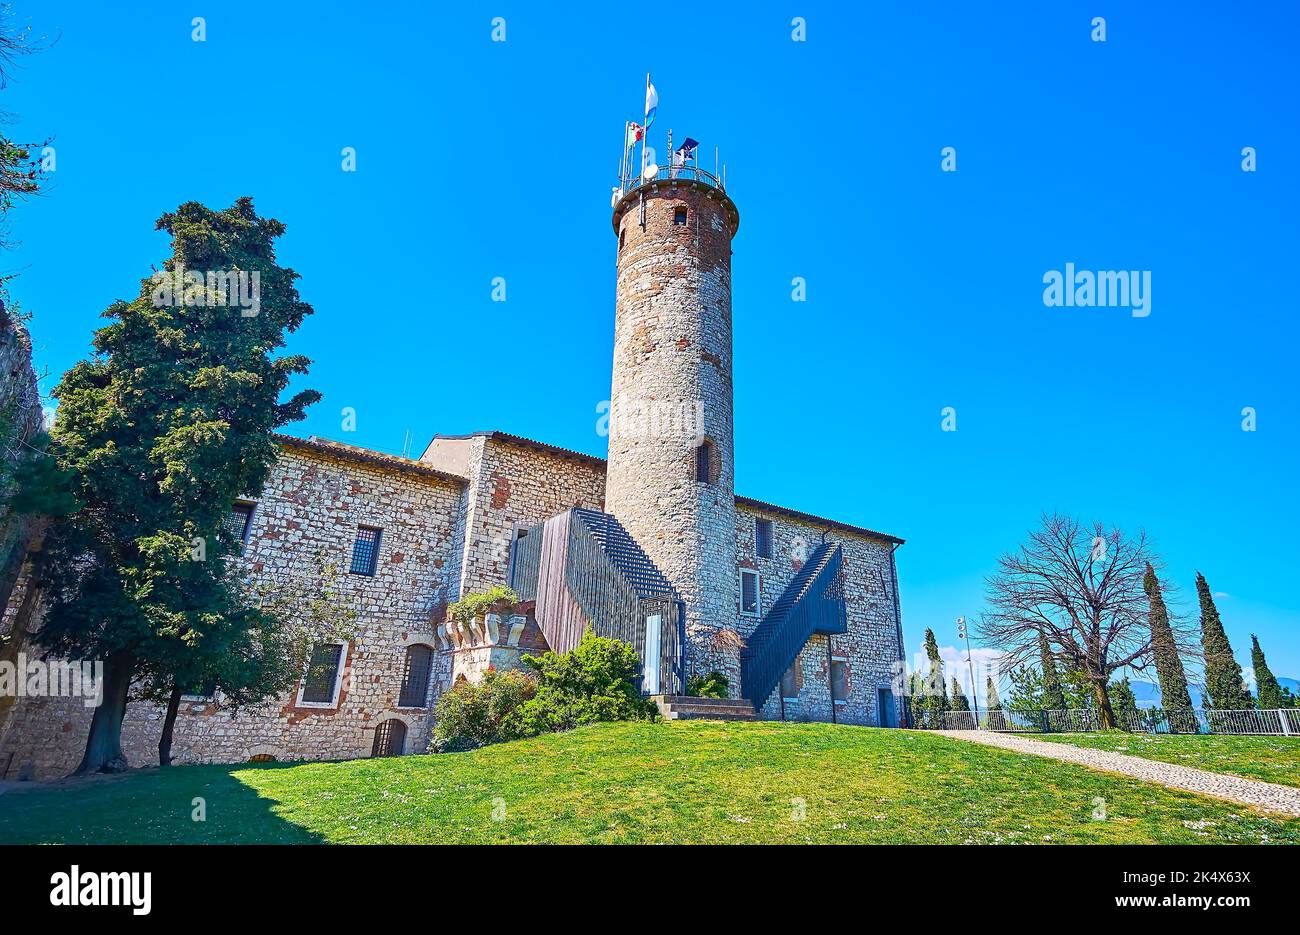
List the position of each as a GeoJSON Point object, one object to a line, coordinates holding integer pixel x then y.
{"type": "Point", "coordinates": [406, 445]}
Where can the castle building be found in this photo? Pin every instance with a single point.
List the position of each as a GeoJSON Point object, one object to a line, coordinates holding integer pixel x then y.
{"type": "Point", "coordinates": [653, 546]}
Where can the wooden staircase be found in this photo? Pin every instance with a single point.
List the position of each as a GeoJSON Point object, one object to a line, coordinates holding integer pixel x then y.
{"type": "Point", "coordinates": [687, 707]}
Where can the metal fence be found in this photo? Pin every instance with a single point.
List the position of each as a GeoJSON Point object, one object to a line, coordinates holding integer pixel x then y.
{"type": "Point", "coordinates": [1272, 722]}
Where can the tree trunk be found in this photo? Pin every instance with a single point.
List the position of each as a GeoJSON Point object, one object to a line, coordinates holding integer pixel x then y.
{"type": "Point", "coordinates": [169, 722]}
{"type": "Point", "coordinates": [104, 742]}
{"type": "Point", "coordinates": [1105, 713]}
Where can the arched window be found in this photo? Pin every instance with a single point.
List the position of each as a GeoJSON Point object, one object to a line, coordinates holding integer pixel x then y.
{"type": "Point", "coordinates": [390, 738]}
{"type": "Point", "coordinates": [622, 238]}
{"type": "Point", "coordinates": [415, 677]}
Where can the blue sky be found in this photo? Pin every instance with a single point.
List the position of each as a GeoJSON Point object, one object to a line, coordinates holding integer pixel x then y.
{"type": "Point", "coordinates": [479, 159]}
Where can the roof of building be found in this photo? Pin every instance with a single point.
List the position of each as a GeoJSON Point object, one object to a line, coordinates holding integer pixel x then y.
{"type": "Point", "coordinates": [743, 501]}
{"type": "Point", "coordinates": [365, 456]}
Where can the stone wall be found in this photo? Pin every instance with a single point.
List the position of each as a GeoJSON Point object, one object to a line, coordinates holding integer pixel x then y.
{"type": "Point", "coordinates": [20, 419]}
{"type": "Point", "coordinates": [315, 499]}
{"type": "Point", "coordinates": [512, 482]}
{"type": "Point", "coordinates": [871, 647]}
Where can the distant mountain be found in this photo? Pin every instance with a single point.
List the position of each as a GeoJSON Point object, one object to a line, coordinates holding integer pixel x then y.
{"type": "Point", "coordinates": [1148, 693]}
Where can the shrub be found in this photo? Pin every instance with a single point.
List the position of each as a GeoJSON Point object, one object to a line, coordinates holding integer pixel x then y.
{"type": "Point", "coordinates": [712, 685]}
{"type": "Point", "coordinates": [598, 681]}
{"type": "Point", "coordinates": [476, 605]}
{"type": "Point", "coordinates": [470, 716]}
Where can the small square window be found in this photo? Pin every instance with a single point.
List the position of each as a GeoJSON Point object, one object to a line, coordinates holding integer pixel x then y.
{"type": "Point", "coordinates": [236, 524]}
{"type": "Point", "coordinates": [749, 592]}
{"type": "Point", "coordinates": [763, 537]}
{"type": "Point", "coordinates": [320, 685]}
{"type": "Point", "coordinates": [365, 551]}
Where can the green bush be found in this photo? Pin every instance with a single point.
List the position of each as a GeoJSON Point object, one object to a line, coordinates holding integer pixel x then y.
{"type": "Point", "coordinates": [598, 681]}
{"type": "Point", "coordinates": [712, 685]}
{"type": "Point", "coordinates": [479, 603]}
{"type": "Point", "coordinates": [469, 716]}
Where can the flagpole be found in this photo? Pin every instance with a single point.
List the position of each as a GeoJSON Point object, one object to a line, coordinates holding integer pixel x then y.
{"type": "Point", "coordinates": [645, 138]}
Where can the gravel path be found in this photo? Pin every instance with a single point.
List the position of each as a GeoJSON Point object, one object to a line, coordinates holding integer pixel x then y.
{"type": "Point", "coordinates": [1264, 795]}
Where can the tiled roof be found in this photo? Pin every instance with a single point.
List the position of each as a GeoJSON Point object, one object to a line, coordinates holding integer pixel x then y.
{"type": "Point", "coordinates": [365, 456]}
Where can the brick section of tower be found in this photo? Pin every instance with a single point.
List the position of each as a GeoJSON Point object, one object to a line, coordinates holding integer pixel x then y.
{"type": "Point", "coordinates": [672, 364]}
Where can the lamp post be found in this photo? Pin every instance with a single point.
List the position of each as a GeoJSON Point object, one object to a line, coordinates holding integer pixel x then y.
{"type": "Point", "coordinates": [962, 634]}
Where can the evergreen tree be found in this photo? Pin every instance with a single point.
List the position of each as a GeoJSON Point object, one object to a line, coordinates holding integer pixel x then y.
{"type": "Point", "coordinates": [1124, 703]}
{"type": "Point", "coordinates": [163, 428]}
{"type": "Point", "coordinates": [959, 702]}
{"type": "Point", "coordinates": [936, 689]}
{"type": "Point", "coordinates": [1175, 698]}
{"type": "Point", "coordinates": [1267, 689]}
{"type": "Point", "coordinates": [1053, 699]}
{"type": "Point", "coordinates": [1223, 678]}
{"type": "Point", "coordinates": [991, 691]}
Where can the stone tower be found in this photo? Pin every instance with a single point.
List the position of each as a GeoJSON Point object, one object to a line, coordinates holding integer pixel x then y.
{"type": "Point", "coordinates": [672, 397]}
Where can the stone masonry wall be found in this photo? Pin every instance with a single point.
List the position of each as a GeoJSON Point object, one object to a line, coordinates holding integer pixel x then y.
{"type": "Point", "coordinates": [870, 648]}
{"type": "Point", "coordinates": [313, 503]}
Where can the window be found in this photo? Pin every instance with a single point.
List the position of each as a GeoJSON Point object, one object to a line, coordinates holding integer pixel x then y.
{"type": "Point", "coordinates": [390, 738]}
{"type": "Point", "coordinates": [622, 238]}
{"type": "Point", "coordinates": [749, 592]}
{"type": "Point", "coordinates": [703, 462]}
{"type": "Point", "coordinates": [365, 551]}
{"type": "Point", "coordinates": [839, 680]}
{"type": "Point", "coordinates": [237, 523]}
{"type": "Point", "coordinates": [679, 215]}
{"type": "Point", "coordinates": [792, 681]}
{"type": "Point", "coordinates": [320, 686]}
{"type": "Point", "coordinates": [415, 677]}
{"type": "Point", "coordinates": [763, 537]}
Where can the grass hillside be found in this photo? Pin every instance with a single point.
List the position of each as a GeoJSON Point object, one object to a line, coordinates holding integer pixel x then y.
{"type": "Point", "coordinates": [694, 782]}
{"type": "Point", "coordinates": [1272, 759]}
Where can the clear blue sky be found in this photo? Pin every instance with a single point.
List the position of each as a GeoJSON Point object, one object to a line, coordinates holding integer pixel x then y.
{"type": "Point", "coordinates": [480, 159]}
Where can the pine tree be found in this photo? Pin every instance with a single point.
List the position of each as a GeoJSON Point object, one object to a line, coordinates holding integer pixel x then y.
{"type": "Point", "coordinates": [959, 701]}
{"type": "Point", "coordinates": [1124, 703]}
{"type": "Point", "coordinates": [163, 428]}
{"type": "Point", "coordinates": [1175, 698]}
{"type": "Point", "coordinates": [1223, 679]}
{"type": "Point", "coordinates": [1267, 689]}
{"type": "Point", "coordinates": [1053, 697]}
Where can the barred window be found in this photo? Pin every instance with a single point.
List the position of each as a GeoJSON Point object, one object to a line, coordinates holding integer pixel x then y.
{"type": "Point", "coordinates": [237, 523]}
{"type": "Point", "coordinates": [320, 684]}
{"type": "Point", "coordinates": [763, 537]}
{"type": "Point", "coordinates": [390, 738]}
{"type": "Point", "coordinates": [365, 551]}
{"type": "Point", "coordinates": [839, 680]}
{"type": "Point", "coordinates": [415, 677]}
{"type": "Point", "coordinates": [749, 596]}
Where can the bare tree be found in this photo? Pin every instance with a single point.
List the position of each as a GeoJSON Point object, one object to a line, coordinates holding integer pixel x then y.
{"type": "Point", "coordinates": [1081, 588]}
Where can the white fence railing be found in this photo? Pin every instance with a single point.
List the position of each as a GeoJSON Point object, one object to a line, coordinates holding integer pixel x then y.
{"type": "Point", "coordinates": [1274, 722]}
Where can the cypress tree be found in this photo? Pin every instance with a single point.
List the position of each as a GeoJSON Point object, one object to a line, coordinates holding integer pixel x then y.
{"type": "Point", "coordinates": [1267, 688]}
{"type": "Point", "coordinates": [1222, 673]}
{"type": "Point", "coordinates": [1175, 699]}
{"type": "Point", "coordinates": [959, 702]}
{"type": "Point", "coordinates": [936, 693]}
{"type": "Point", "coordinates": [1053, 696]}
{"type": "Point", "coordinates": [991, 691]}
{"type": "Point", "coordinates": [1124, 703]}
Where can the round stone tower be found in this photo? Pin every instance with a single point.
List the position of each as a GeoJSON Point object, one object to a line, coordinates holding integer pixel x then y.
{"type": "Point", "coordinates": [670, 478]}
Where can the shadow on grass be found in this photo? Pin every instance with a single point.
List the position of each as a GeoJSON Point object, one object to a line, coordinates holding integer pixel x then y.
{"type": "Point", "coordinates": [177, 805]}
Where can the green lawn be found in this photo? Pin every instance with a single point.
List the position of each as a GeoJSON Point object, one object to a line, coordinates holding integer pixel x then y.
{"type": "Point", "coordinates": [696, 781]}
{"type": "Point", "coordinates": [1273, 759]}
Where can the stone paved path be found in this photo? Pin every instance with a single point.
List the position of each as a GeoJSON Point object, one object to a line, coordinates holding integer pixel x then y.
{"type": "Point", "coordinates": [1264, 795]}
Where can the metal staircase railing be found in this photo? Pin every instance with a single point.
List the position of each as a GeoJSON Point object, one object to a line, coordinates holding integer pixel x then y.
{"type": "Point", "coordinates": [812, 603]}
